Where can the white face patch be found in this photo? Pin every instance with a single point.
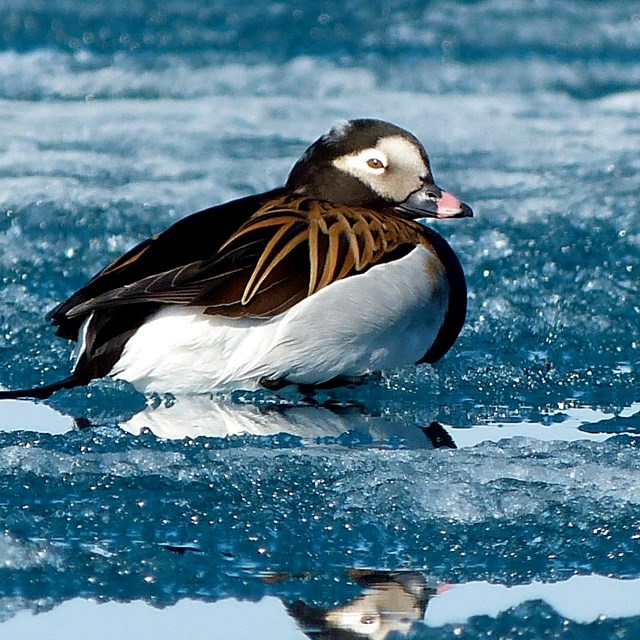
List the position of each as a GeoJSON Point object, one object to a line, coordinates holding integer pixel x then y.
{"type": "Point", "coordinates": [394, 168]}
{"type": "Point", "coordinates": [371, 161]}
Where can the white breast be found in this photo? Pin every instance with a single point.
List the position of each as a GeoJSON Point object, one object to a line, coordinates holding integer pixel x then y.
{"type": "Point", "coordinates": [386, 317]}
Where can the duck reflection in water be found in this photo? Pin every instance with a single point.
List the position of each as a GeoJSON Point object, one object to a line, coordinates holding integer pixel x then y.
{"type": "Point", "coordinates": [214, 417]}
{"type": "Point", "coordinates": [391, 602]}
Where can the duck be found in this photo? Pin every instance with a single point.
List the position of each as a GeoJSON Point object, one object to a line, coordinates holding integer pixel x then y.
{"type": "Point", "coordinates": [328, 279]}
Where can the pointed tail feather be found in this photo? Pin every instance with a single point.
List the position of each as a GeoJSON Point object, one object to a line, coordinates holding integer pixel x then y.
{"type": "Point", "coordinates": [43, 392]}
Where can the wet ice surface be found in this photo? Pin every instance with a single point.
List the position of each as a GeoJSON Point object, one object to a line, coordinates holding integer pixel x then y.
{"type": "Point", "coordinates": [525, 530]}
{"type": "Point", "coordinates": [307, 513]}
{"type": "Point", "coordinates": [242, 619]}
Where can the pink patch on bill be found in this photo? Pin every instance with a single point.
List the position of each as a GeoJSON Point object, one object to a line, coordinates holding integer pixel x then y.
{"type": "Point", "coordinates": [448, 205]}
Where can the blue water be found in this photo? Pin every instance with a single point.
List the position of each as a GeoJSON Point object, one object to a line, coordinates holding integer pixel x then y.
{"type": "Point", "coordinates": [212, 515]}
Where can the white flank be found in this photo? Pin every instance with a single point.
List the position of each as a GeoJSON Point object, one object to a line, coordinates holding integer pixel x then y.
{"type": "Point", "coordinates": [386, 317]}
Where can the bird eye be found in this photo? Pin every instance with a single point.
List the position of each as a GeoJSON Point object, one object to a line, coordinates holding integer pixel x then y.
{"type": "Point", "coordinates": [375, 163]}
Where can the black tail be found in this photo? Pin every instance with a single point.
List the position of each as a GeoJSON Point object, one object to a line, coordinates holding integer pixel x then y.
{"type": "Point", "coordinates": [40, 393]}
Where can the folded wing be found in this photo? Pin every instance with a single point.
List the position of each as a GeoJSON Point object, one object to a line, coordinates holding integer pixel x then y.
{"type": "Point", "coordinates": [287, 250]}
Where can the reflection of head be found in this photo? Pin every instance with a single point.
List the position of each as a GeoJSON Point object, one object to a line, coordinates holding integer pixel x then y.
{"type": "Point", "coordinates": [392, 601]}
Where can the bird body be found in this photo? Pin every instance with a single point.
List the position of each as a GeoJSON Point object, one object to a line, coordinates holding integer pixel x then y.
{"type": "Point", "coordinates": [317, 340]}
{"type": "Point", "coordinates": [329, 277]}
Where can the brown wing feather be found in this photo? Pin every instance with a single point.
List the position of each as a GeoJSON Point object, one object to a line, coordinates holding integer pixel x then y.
{"type": "Point", "coordinates": [316, 243]}
{"type": "Point", "coordinates": [289, 249]}
{"type": "Point", "coordinates": [129, 258]}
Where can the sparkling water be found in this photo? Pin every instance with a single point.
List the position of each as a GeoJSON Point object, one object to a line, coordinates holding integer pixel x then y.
{"type": "Point", "coordinates": [283, 516]}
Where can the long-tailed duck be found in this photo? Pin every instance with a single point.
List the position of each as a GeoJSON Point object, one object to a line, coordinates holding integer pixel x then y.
{"type": "Point", "coordinates": [328, 278]}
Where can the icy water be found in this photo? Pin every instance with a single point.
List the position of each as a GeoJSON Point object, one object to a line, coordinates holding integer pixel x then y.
{"type": "Point", "coordinates": [277, 516]}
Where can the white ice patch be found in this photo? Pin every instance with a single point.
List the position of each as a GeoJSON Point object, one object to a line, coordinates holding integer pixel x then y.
{"type": "Point", "coordinates": [17, 415]}
{"type": "Point", "coordinates": [567, 430]}
{"type": "Point", "coordinates": [583, 599]}
{"type": "Point", "coordinates": [232, 620]}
